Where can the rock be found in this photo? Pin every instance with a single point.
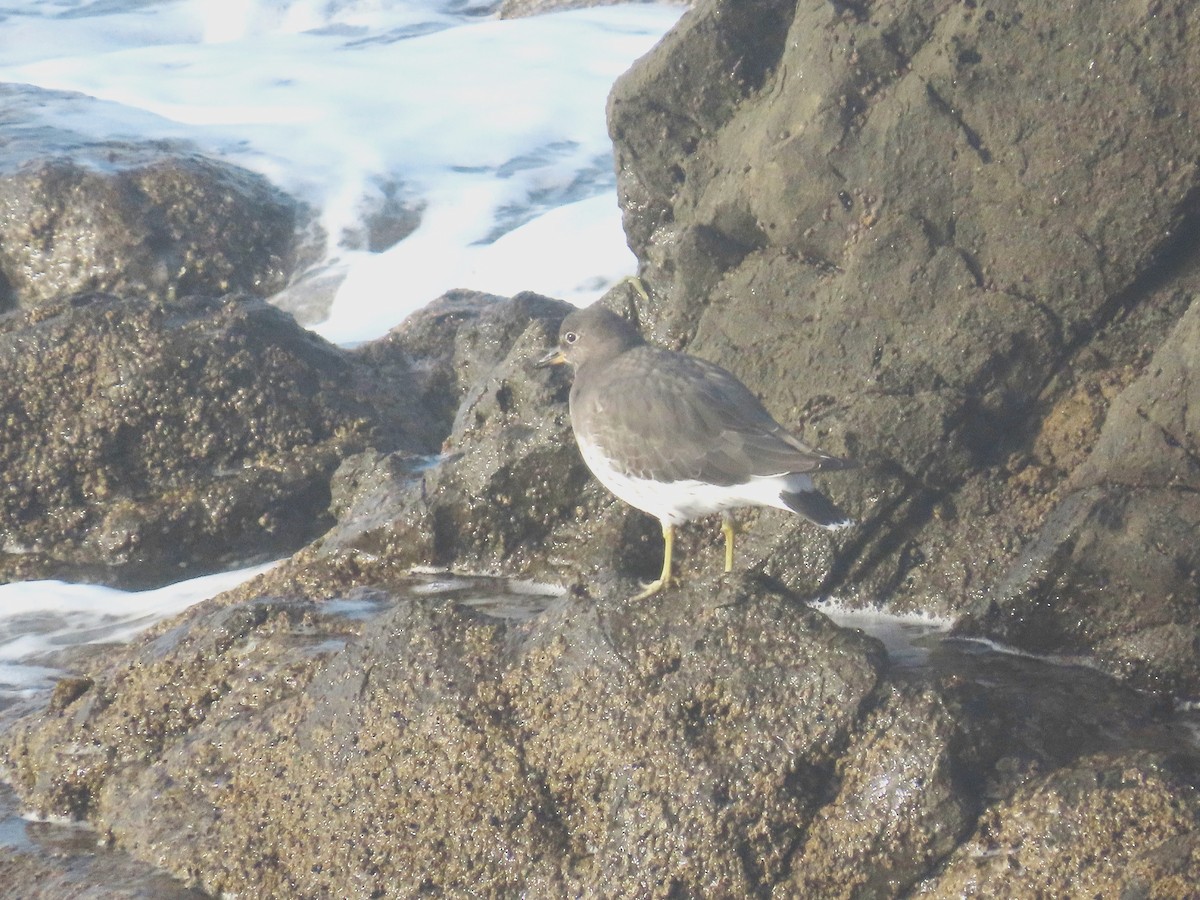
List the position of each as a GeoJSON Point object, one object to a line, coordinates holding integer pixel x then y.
{"type": "Point", "coordinates": [1108, 826]}
{"type": "Point", "coordinates": [1120, 532]}
{"type": "Point", "coordinates": [310, 296]}
{"type": "Point", "coordinates": [718, 729]}
{"type": "Point", "coordinates": [51, 873]}
{"type": "Point", "coordinates": [147, 440]}
{"type": "Point", "coordinates": [428, 746]}
{"type": "Point", "coordinates": [452, 344]}
{"type": "Point", "coordinates": [366, 729]}
{"type": "Point", "coordinates": [950, 240]}
{"type": "Point", "coordinates": [149, 223]}
{"type": "Point", "coordinates": [509, 470]}
{"type": "Point", "coordinates": [946, 742]}
{"type": "Point", "coordinates": [904, 802]}
{"type": "Point", "coordinates": [964, 225]}
{"type": "Point", "coordinates": [509, 493]}
{"type": "Point", "coordinates": [152, 440]}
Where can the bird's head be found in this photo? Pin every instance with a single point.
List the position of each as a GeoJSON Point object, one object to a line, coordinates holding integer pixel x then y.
{"type": "Point", "coordinates": [591, 334]}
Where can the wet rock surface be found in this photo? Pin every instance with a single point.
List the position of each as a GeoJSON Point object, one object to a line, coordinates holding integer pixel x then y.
{"type": "Point", "coordinates": [32, 876]}
{"type": "Point", "coordinates": [1118, 533]}
{"type": "Point", "coordinates": [909, 753]}
{"type": "Point", "coordinates": [149, 222]}
{"type": "Point", "coordinates": [45, 861]}
{"type": "Point", "coordinates": [508, 471]}
{"type": "Point", "coordinates": [454, 734]}
{"type": "Point", "coordinates": [1122, 826]}
{"type": "Point", "coordinates": [421, 692]}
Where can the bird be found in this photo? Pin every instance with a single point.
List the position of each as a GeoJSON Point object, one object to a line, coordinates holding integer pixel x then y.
{"type": "Point", "coordinates": [679, 437]}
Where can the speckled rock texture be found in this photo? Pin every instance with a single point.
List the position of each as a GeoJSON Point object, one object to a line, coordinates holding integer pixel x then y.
{"type": "Point", "coordinates": [432, 746]}
{"type": "Point", "coordinates": [909, 750]}
{"type": "Point", "coordinates": [1046, 840]}
{"type": "Point", "coordinates": [1113, 555]}
{"type": "Point", "coordinates": [341, 727]}
{"type": "Point", "coordinates": [146, 222]}
{"type": "Point", "coordinates": [39, 872]}
{"type": "Point", "coordinates": [433, 734]}
{"type": "Point", "coordinates": [145, 440]}
{"type": "Point", "coordinates": [509, 494]}
{"type": "Point", "coordinates": [508, 472]}
{"type": "Point", "coordinates": [955, 241]}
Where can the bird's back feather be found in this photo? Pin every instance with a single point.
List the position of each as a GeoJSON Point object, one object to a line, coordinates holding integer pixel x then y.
{"type": "Point", "coordinates": [686, 420]}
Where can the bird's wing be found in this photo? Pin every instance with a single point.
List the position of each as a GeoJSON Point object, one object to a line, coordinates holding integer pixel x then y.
{"type": "Point", "coordinates": [690, 420]}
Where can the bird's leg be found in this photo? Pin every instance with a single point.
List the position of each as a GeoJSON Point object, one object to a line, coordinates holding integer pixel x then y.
{"type": "Point", "coordinates": [664, 580]}
{"type": "Point", "coordinates": [729, 529]}
{"type": "Point", "coordinates": [668, 545]}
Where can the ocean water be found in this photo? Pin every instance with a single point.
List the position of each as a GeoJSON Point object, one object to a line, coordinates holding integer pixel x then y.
{"type": "Point", "coordinates": [493, 130]}
{"type": "Point", "coordinates": [40, 619]}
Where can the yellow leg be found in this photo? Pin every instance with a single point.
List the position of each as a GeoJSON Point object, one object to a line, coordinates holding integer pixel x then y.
{"type": "Point", "coordinates": [664, 580]}
{"type": "Point", "coordinates": [729, 530]}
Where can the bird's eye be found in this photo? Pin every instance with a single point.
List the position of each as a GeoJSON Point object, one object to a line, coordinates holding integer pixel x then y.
{"type": "Point", "coordinates": [570, 337]}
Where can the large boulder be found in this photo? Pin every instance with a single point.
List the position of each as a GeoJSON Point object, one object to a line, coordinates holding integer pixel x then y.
{"type": "Point", "coordinates": [434, 734]}
{"type": "Point", "coordinates": [902, 803]}
{"type": "Point", "coordinates": [508, 473]}
{"type": "Point", "coordinates": [1111, 572]}
{"type": "Point", "coordinates": [1114, 825]}
{"type": "Point", "coordinates": [148, 440]}
{"type": "Point", "coordinates": [148, 222]}
{"type": "Point", "coordinates": [941, 238]}
{"type": "Point", "coordinates": [410, 740]}
{"type": "Point", "coordinates": [340, 726]}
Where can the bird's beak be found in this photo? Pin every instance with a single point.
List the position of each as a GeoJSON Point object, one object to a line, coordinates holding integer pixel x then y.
{"type": "Point", "coordinates": [553, 358]}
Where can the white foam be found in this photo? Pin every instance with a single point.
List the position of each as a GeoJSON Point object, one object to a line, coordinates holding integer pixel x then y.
{"type": "Point", "coordinates": [39, 617]}
{"type": "Point", "coordinates": [907, 637]}
{"type": "Point", "coordinates": [380, 290]}
{"type": "Point", "coordinates": [834, 607]}
{"type": "Point", "coordinates": [494, 127]}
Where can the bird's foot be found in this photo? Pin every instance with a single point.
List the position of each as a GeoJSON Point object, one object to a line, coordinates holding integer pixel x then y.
{"type": "Point", "coordinates": [654, 587]}
{"type": "Point", "coordinates": [664, 580]}
{"type": "Point", "coordinates": [638, 285]}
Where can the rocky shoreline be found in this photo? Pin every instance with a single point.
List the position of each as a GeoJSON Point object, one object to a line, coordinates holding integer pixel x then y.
{"type": "Point", "coordinates": [956, 241]}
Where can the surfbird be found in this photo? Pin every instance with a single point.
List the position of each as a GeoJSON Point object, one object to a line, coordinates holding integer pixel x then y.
{"type": "Point", "coordinates": [679, 437]}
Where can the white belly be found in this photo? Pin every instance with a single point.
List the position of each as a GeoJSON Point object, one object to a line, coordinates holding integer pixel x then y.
{"type": "Point", "coordinates": [676, 502]}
